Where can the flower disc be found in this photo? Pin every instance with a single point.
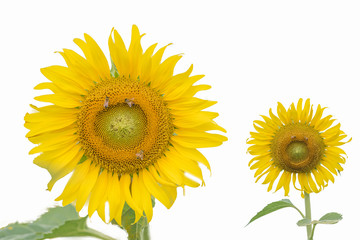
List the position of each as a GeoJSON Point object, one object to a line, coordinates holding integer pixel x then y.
{"type": "Point", "coordinates": [120, 126]}
{"type": "Point", "coordinates": [124, 125]}
{"type": "Point", "coordinates": [297, 148]}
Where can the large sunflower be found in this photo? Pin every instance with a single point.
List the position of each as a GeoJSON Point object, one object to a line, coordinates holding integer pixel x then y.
{"type": "Point", "coordinates": [297, 144]}
{"type": "Point", "coordinates": [127, 134]}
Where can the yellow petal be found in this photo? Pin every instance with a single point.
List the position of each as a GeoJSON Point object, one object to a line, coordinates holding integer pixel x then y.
{"type": "Point", "coordinates": [165, 71]}
{"type": "Point", "coordinates": [294, 182]}
{"type": "Point", "coordinates": [195, 89]}
{"type": "Point", "coordinates": [135, 51]}
{"type": "Point", "coordinates": [170, 171]}
{"type": "Point", "coordinates": [274, 118]}
{"type": "Point", "coordinates": [98, 194]}
{"type": "Point", "coordinates": [191, 183]}
{"type": "Point", "coordinates": [282, 113]}
{"type": "Point", "coordinates": [160, 178]}
{"type": "Point", "coordinates": [331, 131]}
{"type": "Point", "coordinates": [59, 100]}
{"type": "Point", "coordinates": [185, 164]}
{"type": "Point", "coordinates": [52, 144]}
{"type": "Point", "coordinates": [94, 56]}
{"type": "Point", "coordinates": [189, 105]}
{"type": "Point", "coordinates": [81, 68]}
{"type": "Point", "coordinates": [293, 114]}
{"type": "Point", "coordinates": [125, 182]}
{"type": "Point", "coordinates": [145, 64]}
{"type": "Point", "coordinates": [115, 198]}
{"type": "Point", "coordinates": [177, 91]}
{"type": "Point", "coordinates": [158, 56]}
{"type": "Point", "coordinates": [304, 182]}
{"type": "Point", "coordinates": [58, 155]}
{"type": "Point", "coordinates": [266, 157]}
{"type": "Point", "coordinates": [60, 171]}
{"type": "Point", "coordinates": [299, 108]}
{"type": "Point", "coordinates": [312, 183]}
{"type": "Point", "coordinates": [141, 196]}
{"type": "Point", "coordinates": [86, 187]}
{"type": "Point", "coordinates": [64, 79]}
{"type": "Point", "coordinates": [146, 201]}
{"type": "Point", "coordinates": [193, 154]}
{"type": "Point", "coordinates": [324, 123]}
{"type": "Point", "coordinates": [154, 188]}
{"type": "Point", "coordinates": [80, 173]}
{"type": "Point", "coordinates": [272, 176]}
{"type": "Point", "coordinates": [197, 139]}
{"type": "Point", "coordinates": [119, 54]}
{"type": "Point", "coordinates": [317, 116]}
{"type": "Point", "coordinates": [305, 112]}
{"type": "Point", "coordinates": [283, 180]}
{"type": "Point", "coordinates": [318, 178]}
{"type": "Point", "coordinates": [195, 119]}
{"type": "Point", "coordinates": [52, 135]}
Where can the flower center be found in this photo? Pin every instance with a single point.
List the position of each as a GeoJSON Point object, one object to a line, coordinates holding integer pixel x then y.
{"type": "Point", "coordinates": [297, 148]}
{"type": "Point", "coordinates": [121, 125]}
{"type": "Point", "coordinates": [124, 125]}
{"type": "Point", "coordinates": [297, 151]}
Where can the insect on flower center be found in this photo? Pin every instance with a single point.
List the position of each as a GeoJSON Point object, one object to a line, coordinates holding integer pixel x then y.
{"type": "Point", "coordinates": [297, 148]}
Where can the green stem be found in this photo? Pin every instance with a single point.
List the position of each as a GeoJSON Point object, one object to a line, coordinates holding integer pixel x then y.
{"type": "Point", "coordinates": [146, 232]}
{"type": "Point", "coordinates": [302, 215]}
{"type": "Point", "coordinates": [308, 215]}
{"type": "Point", "coordinates": [312, 232]}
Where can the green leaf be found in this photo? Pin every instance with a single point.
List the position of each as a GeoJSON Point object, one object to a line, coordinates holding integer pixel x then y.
{"type": "Point", "coordinates": [274, 206]}
{"type": "Point", "coordinates": [57, 222]}
{"type": "Point", "coordinates": [329, 218]}
{"type": "Point", "coordinates": [75, 228]}
{"type": "Point", "coordinates": [35, 230]}
{"type": "Point", "coordinates": [304, 222]}
{"type": "Point", "coordinates": [17, 231]}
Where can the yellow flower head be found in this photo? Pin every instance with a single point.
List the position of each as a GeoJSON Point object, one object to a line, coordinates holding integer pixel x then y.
{"type": "Point", "coordinates": [297, 144]}
{"type": "Point", "coordinates": [126, 134]}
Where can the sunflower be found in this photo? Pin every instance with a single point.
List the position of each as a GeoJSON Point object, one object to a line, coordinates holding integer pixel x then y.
{"type": "Point", "coordinates": [297, 145]}
{"type": "Point", "coordinates": [126, 134]}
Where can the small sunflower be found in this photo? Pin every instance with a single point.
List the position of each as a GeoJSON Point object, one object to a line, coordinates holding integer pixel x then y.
{"type": "Point", "coordinates": [126, 134]}
{"type": "Point", "coordinates": [297, 145]}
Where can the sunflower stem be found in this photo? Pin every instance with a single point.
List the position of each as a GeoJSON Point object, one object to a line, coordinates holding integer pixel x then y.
{"type": "Point", "coordinates": [146, 232]}
{"type": "Point", "coordinates": [312, 232]}
{"type": "Point", "coordinates": [308, 215]}
{"type": "Point", "coordinates": [139, 231]}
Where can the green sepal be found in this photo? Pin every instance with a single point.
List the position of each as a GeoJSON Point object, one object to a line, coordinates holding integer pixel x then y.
{"type": "Point", "coordinates": [329, 218]}
{"type": "Point", "coordinates": [83, 159]}
{"type": "Point", "coordinates": [56, 222]}
{"type": "Point", "coordinates": [113, 72]}
{"type": "Point", "coordinates": [274, 206]}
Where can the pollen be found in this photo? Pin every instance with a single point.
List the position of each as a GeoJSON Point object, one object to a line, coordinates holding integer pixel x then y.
{"type": "Point", "coordinates": [130, 131]}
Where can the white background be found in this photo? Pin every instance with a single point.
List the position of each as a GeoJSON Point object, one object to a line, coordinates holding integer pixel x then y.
{"type": "Point", "coordinates": [253, 53]}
